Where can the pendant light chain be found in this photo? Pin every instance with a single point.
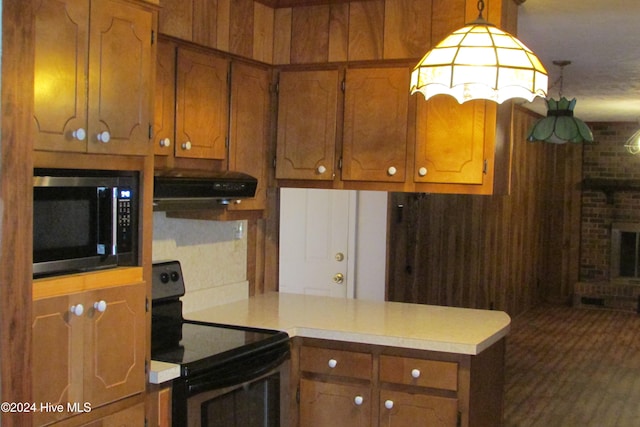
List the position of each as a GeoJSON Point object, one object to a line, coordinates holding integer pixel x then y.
{"type": "Point", "coordinates": [480, 8]}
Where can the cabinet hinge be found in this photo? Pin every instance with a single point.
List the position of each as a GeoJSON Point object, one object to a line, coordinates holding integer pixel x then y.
{"type": "Point", "coordinates": [274, 161]}
{"type": "Point", "coordinates": [153, 37]}
{"type": "Point", "coordinates": [344, 85]}
{"type": "Point", "coordinates": [150, 131]}
{"type": "Point", "coordinates": [146, 422]}
{"type": "Point", "coordinates": [298, 395]}
{"type": "Point", "coordinates": [459, 422]}
{"type": "Point", "coordinates": [485, 166]}
{"type": "Point", "coordinates": [146, 304]}
{"type": "Point", "coordinates": [276, 88]}
{"type": "Point", "coordinates": [340, 163]}
{"type": "Point", "coordinates": [146, 367]}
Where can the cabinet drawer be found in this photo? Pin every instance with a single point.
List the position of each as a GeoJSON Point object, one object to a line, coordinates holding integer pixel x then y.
{"type": "Point", "coordinates": [336, 362]}
{"type": "Point", "coordinates": [424, 373]}
{"type": "Point", "coordinates": [408, 409]}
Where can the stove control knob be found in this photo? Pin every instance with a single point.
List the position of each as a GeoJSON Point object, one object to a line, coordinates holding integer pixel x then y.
{"type": "Point", "coordinates": [100, 306]}
{"type": "Point", "coordinates": [77, 309]}
{"type": "Point", "coordinates": [164, 277]}
{"type": "Point", "coordinates": [174, 276]}
{"type": "Point", "coordinates": [332, 363]}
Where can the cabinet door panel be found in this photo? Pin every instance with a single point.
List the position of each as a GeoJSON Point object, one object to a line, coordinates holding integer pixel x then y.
{"type": "Point", "coordinates": [165, 99]}
{"type": "Point", "coordinates": [417, 409]}
{"type": "Point", "coordinates": [115, 338]}
{"type": "Point", "coordinates": [307, 117]}
{"type": "Point", "coordinates": [201, 105]}
{"type": "Point", "coordinates": [60, 73]}
{"type": "Point", "coordinates": [249, 129]}
{"type": "Point", "coordinates": [120, 77]}
{"type": "Point", "coordinates": [375, 125]}
{"type": "Point", "coordinates": [334, 405]}
{"type": "Point", "coordinates": [450, 140]}
{"type": "Point", "coordinates": [57, 355]}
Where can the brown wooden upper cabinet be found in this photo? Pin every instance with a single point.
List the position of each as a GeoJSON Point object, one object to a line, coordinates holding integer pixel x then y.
{"type": "Point", "coordinates": [212, 112]}
{"type": "Point", "coordinates": [375, 124]}
{"type": "Point", "coordinates": [192, 97]}
{"type": "Point", "coordinates": [307, 118]}
{"type": "Point", "coordinates": [363, 128]}
{"type": "Point", "coordinates": [386, 139]}
{"type": "Point", "coordinates": [450, 140]}
{"type": "Point", "coordinates": [93, 74]}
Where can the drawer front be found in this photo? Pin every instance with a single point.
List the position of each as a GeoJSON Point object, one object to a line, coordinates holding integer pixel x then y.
{"type": "Point", "coordinates": [424, 373]}
{"type": "Point", "coordinates": [336, 362]}
{"type": "Point", "coordinates": [399, 409]}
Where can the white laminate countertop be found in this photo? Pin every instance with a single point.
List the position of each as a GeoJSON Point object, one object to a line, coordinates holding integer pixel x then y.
{"type": "Point", "coordinates": [415, 326]}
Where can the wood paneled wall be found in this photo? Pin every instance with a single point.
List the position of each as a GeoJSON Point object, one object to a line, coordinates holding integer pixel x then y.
{"type": "Point", "coordinates": [15, 205]}
{"type": "Point", "coordinates": [318, 32]}
{"type": "Point", "coordinates": [503, 252]}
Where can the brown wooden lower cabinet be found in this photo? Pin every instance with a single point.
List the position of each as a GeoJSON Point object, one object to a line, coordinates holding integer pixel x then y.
{"type": "Point", "coordinates": [88, 349]}
{"type": "Point", "coordinates": [350, 384]}
{"type": "Point", "coordinates": [133, 416]}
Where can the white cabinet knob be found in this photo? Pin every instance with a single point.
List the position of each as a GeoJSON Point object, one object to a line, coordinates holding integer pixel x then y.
{"type": "Point", "coordinates": [77, 309]}
{"type": "Point", "coordinates": [388, 404]}
{"type": "Point", "coordinates": [422, 171]}
{"type": "Point", "coordinates": [415, 373]}
{"type": "Point", "coordinates": [165, 142]}
{"type": "Point", "coordinates": [321, 169]}
{"type": "Point", "coordinates": [186, 145]}
{"type": "Point", "coordinates": [392, 171]}
{"type": "Point", "coordinates": [100, 306]}
{"type": "Point", "coordinates": [358, 400]}
{"type": "Point", "coordinates": [79, 134]}
{"type": "Point", "coordinates": [103, 137]}
{"type": "Point", "coordinates": [332, 363]}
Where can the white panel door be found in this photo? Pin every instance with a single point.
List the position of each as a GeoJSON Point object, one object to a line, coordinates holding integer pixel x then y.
{"type": "Point", "coordinates": [317, 234]}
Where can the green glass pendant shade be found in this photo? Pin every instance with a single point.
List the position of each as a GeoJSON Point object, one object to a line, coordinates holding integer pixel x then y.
{"type": "Point", "coordinates": [560, 125]}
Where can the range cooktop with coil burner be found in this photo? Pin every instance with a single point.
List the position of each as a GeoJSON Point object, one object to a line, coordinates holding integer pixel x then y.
{"type": "Point", "coordinates": [209, 354]}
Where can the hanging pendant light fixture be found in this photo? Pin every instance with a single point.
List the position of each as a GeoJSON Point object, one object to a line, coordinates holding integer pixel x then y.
{"type": "Point", "coordinates": [560, 125]}
{"type": "Point", "coordinates": [633, 143]}
{"type": "Point", "coordinates": [480, 61]}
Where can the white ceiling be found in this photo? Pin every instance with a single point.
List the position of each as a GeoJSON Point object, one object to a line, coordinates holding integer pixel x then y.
{"type": "Point", "coordinates": [601, 38]}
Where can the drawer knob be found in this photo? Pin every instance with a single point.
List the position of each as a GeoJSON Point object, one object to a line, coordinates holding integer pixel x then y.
{"type": "Point", "coordinates": [77, 309]}
{"type": "Point", "coordinates": [80, 134]}
{"type": "Point", "coordinates": [104, 137]}
{"type": "Point", "coordinates": [165, 142]}
{"type": "Point", "coordinates": [358, 400]}
{"type": "Point", "coordinates": [100, 306]}
{"type": "Point", "coordinates": [186, 145]}
{"type": "Point", "coordinates": [332, 363]}
{"type": "Point", "coordinates": [422, 171]}
{"type": "Point", "coordinates": [415, 373]}
{"type": "Point", "coordinates": [321, 169]}
{"type": "Point", "coordinates": [388, 404]}
{"type": "Point", "coordinates": [392, 171]}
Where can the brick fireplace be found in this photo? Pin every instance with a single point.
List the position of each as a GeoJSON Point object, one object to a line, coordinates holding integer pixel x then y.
{"type": "Point", "coordinates": [610, 195]}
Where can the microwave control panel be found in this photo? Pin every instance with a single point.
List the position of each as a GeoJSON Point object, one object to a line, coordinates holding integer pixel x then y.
{"type": "Point", "coordinates": [125, 212]}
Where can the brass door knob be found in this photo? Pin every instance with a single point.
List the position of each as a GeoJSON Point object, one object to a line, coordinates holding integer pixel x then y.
{"type": "Point", "coordinates": [339, 256]}
{"type": "Point", "coordinates": [338, 278]}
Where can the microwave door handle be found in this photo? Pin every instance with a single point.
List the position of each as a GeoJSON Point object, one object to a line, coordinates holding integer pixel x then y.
{"type": "Point", "coordinates": [105, 228]}
{"type": "Point", "coordinates": [114, 221]}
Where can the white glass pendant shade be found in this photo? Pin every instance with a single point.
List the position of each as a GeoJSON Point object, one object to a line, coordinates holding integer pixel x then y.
{"type": "Point", "coordinates": [480, 61]}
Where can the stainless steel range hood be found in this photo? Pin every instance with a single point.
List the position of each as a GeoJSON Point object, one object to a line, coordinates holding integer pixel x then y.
{"type": "Point", "coordinates": [179, 190]}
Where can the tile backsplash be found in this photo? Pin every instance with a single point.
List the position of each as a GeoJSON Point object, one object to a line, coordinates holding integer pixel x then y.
{"type": "Point", "coordinates": [213, 256]}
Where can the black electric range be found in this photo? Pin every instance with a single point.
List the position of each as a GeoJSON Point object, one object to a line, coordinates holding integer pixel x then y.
{"type": "Point", "coordinates": [211, 356]}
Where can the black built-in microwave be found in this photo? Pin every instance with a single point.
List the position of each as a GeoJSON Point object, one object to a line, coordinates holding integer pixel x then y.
{"type": "Point", "coordinates": [84, 220]}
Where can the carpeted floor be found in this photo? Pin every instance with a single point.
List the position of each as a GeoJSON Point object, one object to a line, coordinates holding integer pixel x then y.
{"type": "Point", "coordinates": [573, 367]}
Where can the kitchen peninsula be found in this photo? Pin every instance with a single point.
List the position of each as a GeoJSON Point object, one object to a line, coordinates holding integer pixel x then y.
{"type": "Point", "coordinates": [386, 361]}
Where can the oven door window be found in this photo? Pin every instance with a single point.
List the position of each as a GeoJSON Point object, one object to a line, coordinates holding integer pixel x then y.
{"type": "Point", "coordinates": [256, 404]}
{"type": "Point", "coordinates": [71, 223]}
